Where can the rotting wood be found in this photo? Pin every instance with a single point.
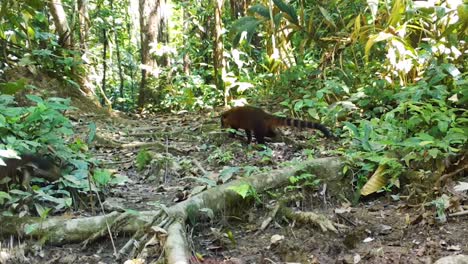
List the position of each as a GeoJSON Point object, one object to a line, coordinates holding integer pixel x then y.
{"type": "Point", "coordinates": [176, 245]}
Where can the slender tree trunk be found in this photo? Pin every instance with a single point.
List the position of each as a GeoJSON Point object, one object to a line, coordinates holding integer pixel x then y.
{"type": "Point", "coordinates": [83, 19]}
{"type": "Point", "coordinates": [133, 30]}
{"type": "Point", "coordinates": [66, 41]}
{"type": "Point", "coordinates": [105, 100]}
{"type": "Point", "coordinates": [60, 22]}
{"type": "Point", "coordinates": [186, 30]}
{"type": "Point", "coordinates": [238, 8]}
{"type": "Point", "coordinates": [148, 35]}
{"type": "Point", "coordinates": [163, 30]}
{"type": "Point", "coordinates": [153, 30]}
{"type": "Point", "coordinates": [117, 46]}
{"type": "Point", "coordinates": [84, 24]}
{"type": "Point", "coordinates": [218, 59]}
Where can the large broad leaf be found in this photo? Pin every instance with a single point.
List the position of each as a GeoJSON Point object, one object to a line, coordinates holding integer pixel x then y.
{"type": "Point", "coordinates": [328, 17]}
{"type": "Point", "coordinates": [289, 10]}
{"type": "Point", "coordinates": [12, 87]}
{"type": "Point", "coordinates": [374, 39]}
{"type": "Point", "coordinates": [261, 10]}
{"type": "Point", "coordinates": [375, 182]}
{"type": "Point", "coordinates": [244, 25]}
{"type": "Point", "coordinates": [373, 7]}
{"type": "Point", "coordinates": [397, 12]}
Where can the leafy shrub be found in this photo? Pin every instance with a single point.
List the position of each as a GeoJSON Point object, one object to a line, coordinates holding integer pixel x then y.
{"type": "Point", "coordinates": [39, 129]}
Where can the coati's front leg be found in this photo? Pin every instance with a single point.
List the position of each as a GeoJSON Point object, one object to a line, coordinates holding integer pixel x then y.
{"type": "Point", "coordinates": [232, 134]}
{"type": "Point", "coordinates": [270, 133]}
{"type": "Point", "coordinates": [260, 136]}
{"type": "Point", "coordinates": [249, 136]}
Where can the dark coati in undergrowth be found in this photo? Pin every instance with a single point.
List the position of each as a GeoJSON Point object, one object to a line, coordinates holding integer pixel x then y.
{"type": "Point", "coordinates": [262, 123]}
{"type": "Point", "coordinates": [30, 165]}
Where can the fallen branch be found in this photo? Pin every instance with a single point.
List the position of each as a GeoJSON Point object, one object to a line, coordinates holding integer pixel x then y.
{"type": "Point", "coordinates": [157, 145]}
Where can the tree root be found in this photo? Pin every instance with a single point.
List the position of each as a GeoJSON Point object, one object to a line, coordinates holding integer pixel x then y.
{"type": "Point", "coordinates": [59, 230]}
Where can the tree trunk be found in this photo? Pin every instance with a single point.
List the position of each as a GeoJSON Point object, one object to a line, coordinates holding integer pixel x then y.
{"type": "Point", "coordinates": [186, 29]}
{"type": "Point", "coordinates": [84, 23]}
{"type": "Point", "coordinates": [83, 20]}
{"type": "Point", "coordinates": [105, 100]}
{"type": "Point", "coordinates": [218, 49]}
{"type": "Point", "coordinates": [61, 23]}
{"type": "Point", "coordinates": [238, 8]}
{"type": "Point", "coordinates": [119, 61]}
{"type": "Point", "coordinates": [153, 29]}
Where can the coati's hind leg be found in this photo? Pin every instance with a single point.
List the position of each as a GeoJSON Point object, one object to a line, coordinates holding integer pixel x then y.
{"type": "Point", "coordinates": [270, 133]}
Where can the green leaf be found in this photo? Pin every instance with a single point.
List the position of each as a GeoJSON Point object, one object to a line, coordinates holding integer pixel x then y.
{"type": "Point", "coordinates": [102, 177]}
{"type": "Point", "coordinates": [244, 24]}
{"type": "Point", "coordinates": [289, 10]}
{"type": "Point", "coordinates": [34, 98]}
{"type": "Point", "coordinates": [227, 173]}
{"type": "Point", "coordinates": [12, 87]}
{"type": "Point", "coordinates": [374, 39]}
{"type": "Point", "coordinates": [328, 17]}
{"type": "Point", "coordinates": [397, 12]}
{"type": "Point", "coordinates": [4, 196]}
{"type": "Point", "coordinates": [451, 69]}
{"type": "Point", "coordinates": [119, 179]}
{"type": "Point", "coordinates": [30, 228]}
{"type": "Point", "coordinates": [353, 128]}
{"type": "Point", "coordinates": [42, 211]}
{"type": "Point", "coordinates": [242, 189]}
{"type": "Point", "coordinates": [443, 126]}
{"type": "Point", "coordinates": [261, 10]}
{"type": "Point", "coordinates": [433, 152]}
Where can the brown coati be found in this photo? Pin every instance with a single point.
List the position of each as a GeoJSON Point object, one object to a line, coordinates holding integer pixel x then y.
{"type": "Point", "coordinates": [30, 165]}
{"type": "Point", "coordinates": [262, 123]}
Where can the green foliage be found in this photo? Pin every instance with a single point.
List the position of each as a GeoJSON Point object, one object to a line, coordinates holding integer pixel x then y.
{"type": "Point", "coordinates": [221, 156]}
{"type": "Point", "coordinates": [266, 155]}
{"type": "Point", "coordinates": [24, 127]}
{"type": "Point", "coordinates": [302, 180]}
{"type": "Point", "coordinates": [36, 129]}
{"type": "Point", "coordinates": [245, 190]}
{"type": "Point", "coordinates": [143, 158]}
{"type": "Point", "coordinates": [102, 177]}
{"type": "Point", "coordinates": [186, 92]}
{"type": "Point", "coordinates": [441, 204]}
{"type": "Point", "coordinates": [25, 34]}
{"type": "Point", "coordinates": [227, 173]}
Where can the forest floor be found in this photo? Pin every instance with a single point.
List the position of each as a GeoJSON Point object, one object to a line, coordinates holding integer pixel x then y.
{"type": "Point", "coordinates": [192, 153]}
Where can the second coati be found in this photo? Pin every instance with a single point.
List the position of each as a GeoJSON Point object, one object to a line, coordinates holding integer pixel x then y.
{"type": "Point", "coordinates": [30, 165]}
{"type": "Point", "coordinates": [262, 123]}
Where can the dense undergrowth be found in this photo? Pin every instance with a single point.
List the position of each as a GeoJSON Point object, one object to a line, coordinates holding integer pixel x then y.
{"type": "Point", "coordinates": [43, 129]}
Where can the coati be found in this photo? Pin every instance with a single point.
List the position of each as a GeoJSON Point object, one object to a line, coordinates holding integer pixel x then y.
{"type": "Point", "coordinates": [262, 123]}
{"type": "Point", "coordinates": [21, 170]}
